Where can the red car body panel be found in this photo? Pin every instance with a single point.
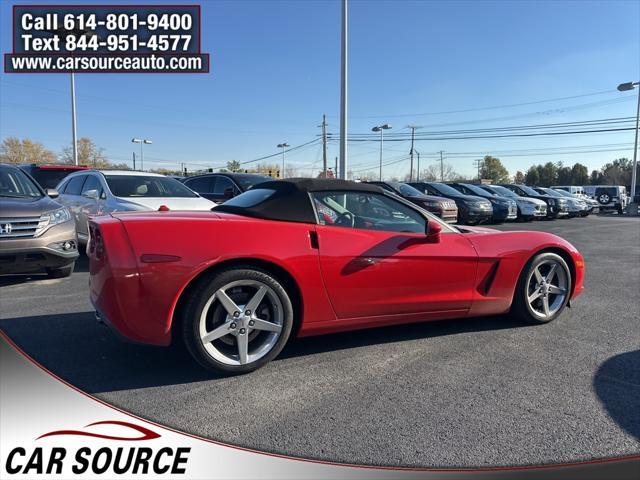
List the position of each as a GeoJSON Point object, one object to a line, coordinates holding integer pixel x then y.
{"type": "Point", "coordinates": [347, 278]}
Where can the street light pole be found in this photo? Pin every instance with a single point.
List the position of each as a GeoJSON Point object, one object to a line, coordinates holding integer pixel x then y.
{"type": "Point", "coordinates": [381, 129]}
{"type": "Point", "coordinates": [624, 87]}
{"type": "Point", "coordinates": [343, 94]}
{"type": "Point", "coordinates": [418, 169]}
{"type": "Point", "coordinates": [283, 146]}
{"type": "Point", "coordinates": [73, 119]}
{"type": "Point", "coordinates": [141, 141]}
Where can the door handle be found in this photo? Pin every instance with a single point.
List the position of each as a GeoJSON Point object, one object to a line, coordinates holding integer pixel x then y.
{"type": "Point", "coordinates": [368, 260]}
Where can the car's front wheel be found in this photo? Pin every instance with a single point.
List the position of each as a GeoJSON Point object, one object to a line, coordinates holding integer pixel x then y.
{"type": "Point", "coordinates": [237, 321]}
{"type": "Point", "coordinates": [543, 289]}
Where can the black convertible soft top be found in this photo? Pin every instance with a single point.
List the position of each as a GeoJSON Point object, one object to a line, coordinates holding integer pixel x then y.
{"type": "Point", "coordinates": [290, 200]}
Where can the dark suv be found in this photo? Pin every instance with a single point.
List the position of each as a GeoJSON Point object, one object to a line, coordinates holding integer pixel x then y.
{"type": "Point", "coordinates": [472, 209]}
{"type": "Point", "coordinates": [48, 176]}
{"type": "Point", "coordinates": [220, 187]}
{"type": "Point", "coordinates": [503, 208]}
{"type": "Point", "coordinates": [36, 233]}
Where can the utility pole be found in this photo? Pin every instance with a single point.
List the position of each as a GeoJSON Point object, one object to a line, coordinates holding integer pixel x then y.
{"type": "Point", "coordinates": [343, 94]}
{"type": "Point", "coordinates": [324, 146]}
{"type": "Point", "coordinates": [413, 134]}
{"type": "Point", "coordinates": [478, 164]}
{"type": "Point", "coordinates": [283, 146]}
{"type": "Point", "coordinates": [441, 167]}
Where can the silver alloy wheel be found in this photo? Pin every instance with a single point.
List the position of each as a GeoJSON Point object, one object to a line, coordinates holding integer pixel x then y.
{"type": "Point", "coordinates": [547, 288]}
{"type": "Point", "coordinates": [247, 332]}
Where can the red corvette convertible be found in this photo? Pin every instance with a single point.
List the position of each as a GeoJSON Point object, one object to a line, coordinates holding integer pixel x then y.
{"type": "Point", "coordinates": [306, 257]}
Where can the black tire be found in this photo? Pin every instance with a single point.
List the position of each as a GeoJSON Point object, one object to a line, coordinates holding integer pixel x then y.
{"type": "Point", "coordinates": [520, 307]}
{"type": "Point", "coordinates": [604, 198]}
{"type": "Point", "coordinates": [62, 272]}
{"type": "Point", "coordinates": [195, 305]}
{"type": "Point", "coordinates": [620, 209]}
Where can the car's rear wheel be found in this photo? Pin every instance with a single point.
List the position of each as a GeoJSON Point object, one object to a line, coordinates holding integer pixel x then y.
{"type": "Point", "coordinates": [237, 321]}
{"type": "Point", "coordinates": [60, 272]}
{"type": "Point", "coordinates": [543, 289]}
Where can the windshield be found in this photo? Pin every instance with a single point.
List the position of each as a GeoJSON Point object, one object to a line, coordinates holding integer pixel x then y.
{"type": "Point", "coordinates": [409, 191]}
{"type": "Point", "coordinates": [15, 184]}
{"type": "Point", "coordinates": [50, 178]}
{"type": "Point", "coordinates": [528, 190]}
{"type": "Point", "coordinates": [563, 193]}
{"type": "Point", "coordinates": [505, 192]}
{"type": "Point", "coordinates": [147, 186]}
{"type": "Point", "coordinates": [248, 181]}
{"type": "Point", "coordinates": [445, 189]}
{"type": "Point", "coordinates": [476, 190]}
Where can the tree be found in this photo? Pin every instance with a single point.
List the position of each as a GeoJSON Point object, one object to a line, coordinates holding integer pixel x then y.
{"type": "Point", "coordinates": [518, 177]}
{"type": "Point", "coordinates": [492, 169]}
{"type": "Point", "coordinates": [532, 177]}
{"type": "Point", "coordinates": [14, 150]}
{"type": "Point", "coordinates": [617, 172]}
{"type": "Point", "coordinates": [548, 174]}
{"type": "Point", "coordinates": [564, 175]}
{"type": "Point", "coordinates": [233, 166]}
{"type": "Point", "coordinates": [89, 154]}
{"type": "Point", "coordinates": [596, 178]}
{"type": "Point", "coordinates": [579, 174]}
{"type": "Point", "coordinates": [433, 173]}
{"type": "Point", "coordinates": [270, 169]}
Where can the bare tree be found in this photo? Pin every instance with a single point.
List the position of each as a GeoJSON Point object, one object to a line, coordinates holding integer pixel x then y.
{"type": "Point", "coordinates": [89, 154]}
{"type": "Point", "coordinates": [14, 150]}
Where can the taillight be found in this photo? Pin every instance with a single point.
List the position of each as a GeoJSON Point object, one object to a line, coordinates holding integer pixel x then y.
{"type": "Point", "coordinates": [96, 243]}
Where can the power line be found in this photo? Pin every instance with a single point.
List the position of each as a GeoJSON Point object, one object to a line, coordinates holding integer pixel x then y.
{"type": "Point", "coordinates": [492, 107]}
{"type": "Point", "coordinates": [595, 122]}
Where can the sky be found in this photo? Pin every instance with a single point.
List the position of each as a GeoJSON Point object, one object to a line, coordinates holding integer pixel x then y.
{"type": "Point", "coordinates": [276, 71]}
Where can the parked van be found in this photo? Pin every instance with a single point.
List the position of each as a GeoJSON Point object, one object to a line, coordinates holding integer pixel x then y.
{"type": "Point", "coordinates": [574, 190]}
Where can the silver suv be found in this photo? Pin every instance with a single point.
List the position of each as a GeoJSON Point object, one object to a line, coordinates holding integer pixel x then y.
{"type": "Point", "coordinates": [36, 233]}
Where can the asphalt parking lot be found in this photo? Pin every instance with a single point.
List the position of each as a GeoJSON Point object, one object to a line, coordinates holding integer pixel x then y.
{"type": "Point", "coordinates": [475, 392]}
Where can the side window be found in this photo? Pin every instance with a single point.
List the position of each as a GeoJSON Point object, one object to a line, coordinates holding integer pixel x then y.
{"type": "Point", "coordinates": [74, 187]}
{"type": "Point", "coordinates": [62, 187]}
{"type": "Point", "coordinates": [201, 184]}
{"type": "Point", "coordinates": [369, 211]}
{"type": "Point", "coordinates": [222, 183]}
{"type": "Point", "coordinates": [92, 183]}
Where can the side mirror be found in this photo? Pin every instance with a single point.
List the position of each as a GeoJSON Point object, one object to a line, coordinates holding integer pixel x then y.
{"type": "Point", "coordinates": [434, 229]}
{"type": "Point", "coordinates": [92, 194]}
{"type": "Point", "coordinates": [228, 192]}
{"type": "Point", "coordinates": [52, 193]}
